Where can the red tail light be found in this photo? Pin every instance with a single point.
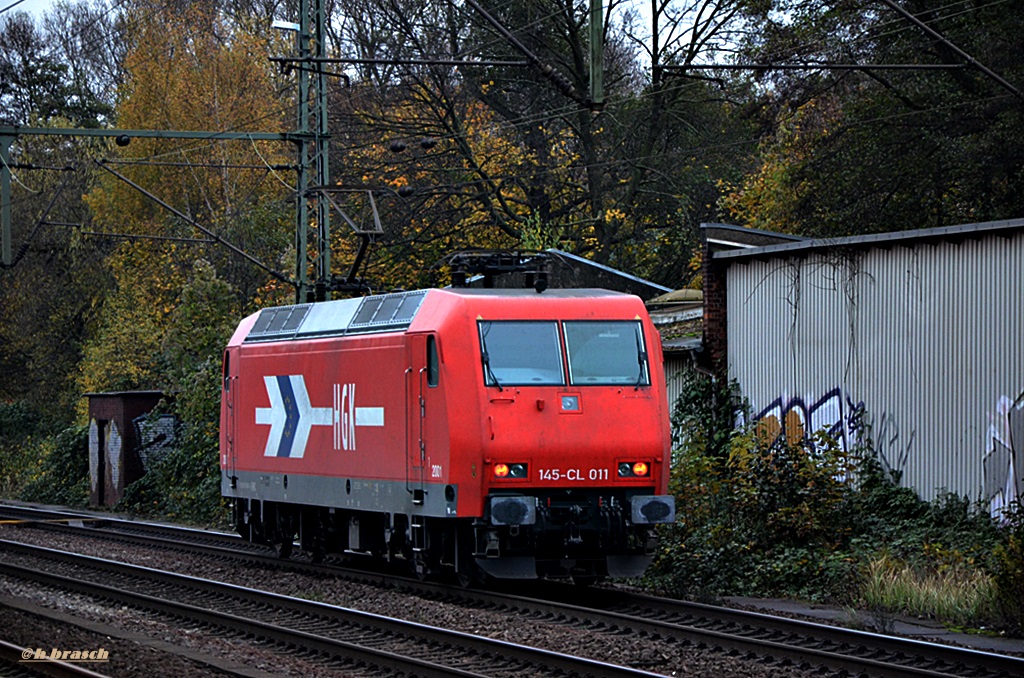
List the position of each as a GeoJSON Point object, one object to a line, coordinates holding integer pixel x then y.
{"type": "Point", "coordinates": [634, 469]}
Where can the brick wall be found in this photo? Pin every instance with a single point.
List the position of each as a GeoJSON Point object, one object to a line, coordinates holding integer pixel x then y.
{"type": "Point", "coordinates": [715, 320]}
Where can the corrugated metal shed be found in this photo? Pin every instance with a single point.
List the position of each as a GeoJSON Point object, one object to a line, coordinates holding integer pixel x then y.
{"type": "Point", "coordinates": [678, 317]}
{"type": "Point", "coordinates": [914, 339]}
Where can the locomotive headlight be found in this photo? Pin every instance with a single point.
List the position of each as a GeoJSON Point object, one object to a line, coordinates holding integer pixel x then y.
{"type": "Point", "coordinates": [640, 469]}
{"type": "Point", "coordinates": [517, 471]}
{"type": "Point", "coordinates": [625, 469]}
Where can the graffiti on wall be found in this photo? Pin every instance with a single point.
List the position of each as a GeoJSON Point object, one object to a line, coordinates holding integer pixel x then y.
{"type": "Point", "coordinates": [794, 419]}
{"type": "Point", "coordinates": [1004, 446]}
{"type": "Point", "coordinates": [892, 442]}
{"type": "Point", "coordinates": [156, 436]}
{"type": "Point", "coordinates": [845, 420]}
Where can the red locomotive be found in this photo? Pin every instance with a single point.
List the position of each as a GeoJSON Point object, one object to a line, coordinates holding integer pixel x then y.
{"type": "Point", "coordinates": [525, 434]}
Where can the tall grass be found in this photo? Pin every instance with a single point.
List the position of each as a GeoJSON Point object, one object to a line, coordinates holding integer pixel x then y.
{"type": "Point", "coordinates": [960, 593]}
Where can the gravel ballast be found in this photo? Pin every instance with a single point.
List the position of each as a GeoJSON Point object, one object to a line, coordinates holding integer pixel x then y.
{"type": "Point", "coordinates": [652, 655]}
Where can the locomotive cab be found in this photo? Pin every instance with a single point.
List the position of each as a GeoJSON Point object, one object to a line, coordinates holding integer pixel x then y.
{"type": "Point", "coordinates": [575, 483]}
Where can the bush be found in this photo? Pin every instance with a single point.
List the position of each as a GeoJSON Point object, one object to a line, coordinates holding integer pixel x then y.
{"type": "Point", "coordinates": [19, 444]}
{"type": "Point", "coordinates": [63, 464]}
{"type": "Point", "coordinates": [17, 421]}
{"type": "Point", "coordinates": [789, 495]}
{"type": "Point", "coordinates": [761, 517]}
{"type": "Point", "coordinates": [184, 484]}
{"type": "Point", "coordinates": [1008, 571]}
{"type": "Point", "coordinates": [755, 516]}
{"type": "Point", "coordinates": [704, 415]}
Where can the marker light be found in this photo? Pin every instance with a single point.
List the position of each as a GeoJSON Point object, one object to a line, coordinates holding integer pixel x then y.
{"type": "Point", "coordinates": [634, 469]}
{"type": "Point", "coordinates": [519, 471]}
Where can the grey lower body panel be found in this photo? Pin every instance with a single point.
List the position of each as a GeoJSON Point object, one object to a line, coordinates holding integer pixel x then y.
{"type": "Point", "coordinates": [628, 565]}
{"type": "Point", "coordinates": [525, 567]}
{"type": "Point", "coordinates": [509, 567]}
{"type": "Point", "coordinates": [379, 496]}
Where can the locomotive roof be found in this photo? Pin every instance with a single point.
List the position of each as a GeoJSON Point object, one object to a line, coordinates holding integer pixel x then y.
{"type": "Point", "coordinates": [522, 292]}
{"type": "Point", "coordinates": [377, 313]}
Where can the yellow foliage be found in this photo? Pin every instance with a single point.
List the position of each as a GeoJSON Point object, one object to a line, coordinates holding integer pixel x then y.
{"type": "Point", "coordinates": [696, 267]}
{"type": "Point", "coordinates": [121, 354]}
{"type": "Point", "coordinates": [188, 70]}
{"type": "Point", "coordinates": [766, 199]}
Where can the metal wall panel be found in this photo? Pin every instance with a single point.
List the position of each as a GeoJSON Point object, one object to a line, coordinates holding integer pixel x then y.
{"type": "Point", "coordinates": [676, 368]}
{"type": "Point", "coordinates": [919, 346]}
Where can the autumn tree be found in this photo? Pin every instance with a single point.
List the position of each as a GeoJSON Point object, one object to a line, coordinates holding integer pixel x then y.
{"type": "Point", "coordinates": [42, 79]}
{"type": "Point", "coordinates": [592, 179]}
{"type": "Point", "coordinates": [57, 72]}
{"type": "Point", "coordinates": [186, 69]}
{"type": "Point", "coordinates": [689, 133]}
{"type": "Point", "coordinates": [434, 158]}
{"type": "Point", "coordinates": [884, 149]}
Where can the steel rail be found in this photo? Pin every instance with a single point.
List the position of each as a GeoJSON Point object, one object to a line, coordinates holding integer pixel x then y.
{"type": "Point", "coordinates": [951, 655]}
{"type": "Point", "coordinates": [733, 630]}
{"type": "Point", "coordinates": [425, 639]}
{"type": "Point", "coordinates": [842, 647]}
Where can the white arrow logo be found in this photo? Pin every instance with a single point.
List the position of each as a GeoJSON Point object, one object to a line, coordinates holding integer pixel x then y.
{"type": "Point", "coordinates": [291, 416]}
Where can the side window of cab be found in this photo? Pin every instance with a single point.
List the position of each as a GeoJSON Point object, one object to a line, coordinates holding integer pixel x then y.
{"type": "Point", "coordinates": [432, 361]}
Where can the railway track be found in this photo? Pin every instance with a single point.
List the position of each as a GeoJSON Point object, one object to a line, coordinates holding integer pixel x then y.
{"type": "Point", "coordinates": [773, 640]}
{"type": "Point", "coordinates": [337, 638]}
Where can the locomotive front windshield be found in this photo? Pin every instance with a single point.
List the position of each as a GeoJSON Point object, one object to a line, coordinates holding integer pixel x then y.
{"type": "Point", "coordinates": [521, 353]}
{"type": "Point", "coordinates": [606, 352]}
{"type": "Point", "coordinates": [529, 353]}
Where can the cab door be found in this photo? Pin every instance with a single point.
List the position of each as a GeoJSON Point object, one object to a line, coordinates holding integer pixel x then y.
{"type": "Point", "coordinates": [228, 398]}
{"type": "Point", "coordinates": [421, 378]}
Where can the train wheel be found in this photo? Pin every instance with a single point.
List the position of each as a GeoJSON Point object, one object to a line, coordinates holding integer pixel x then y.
{"type": "Point", "coordinates": [283, 549]}
{"type": "Point", "coordinates": [420, 567]}
{"type": "Point", "coordinates": [584, 580]}
{"type": "Point", "coordinates": [466, 575]}
{"type": "Point", "coordinates": [283, 535]}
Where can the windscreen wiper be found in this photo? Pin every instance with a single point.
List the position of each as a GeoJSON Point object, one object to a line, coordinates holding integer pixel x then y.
{"type": "Point", "coordinates": [487, 359]}
{"type": "Point", "coordinates": [641, 357]}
